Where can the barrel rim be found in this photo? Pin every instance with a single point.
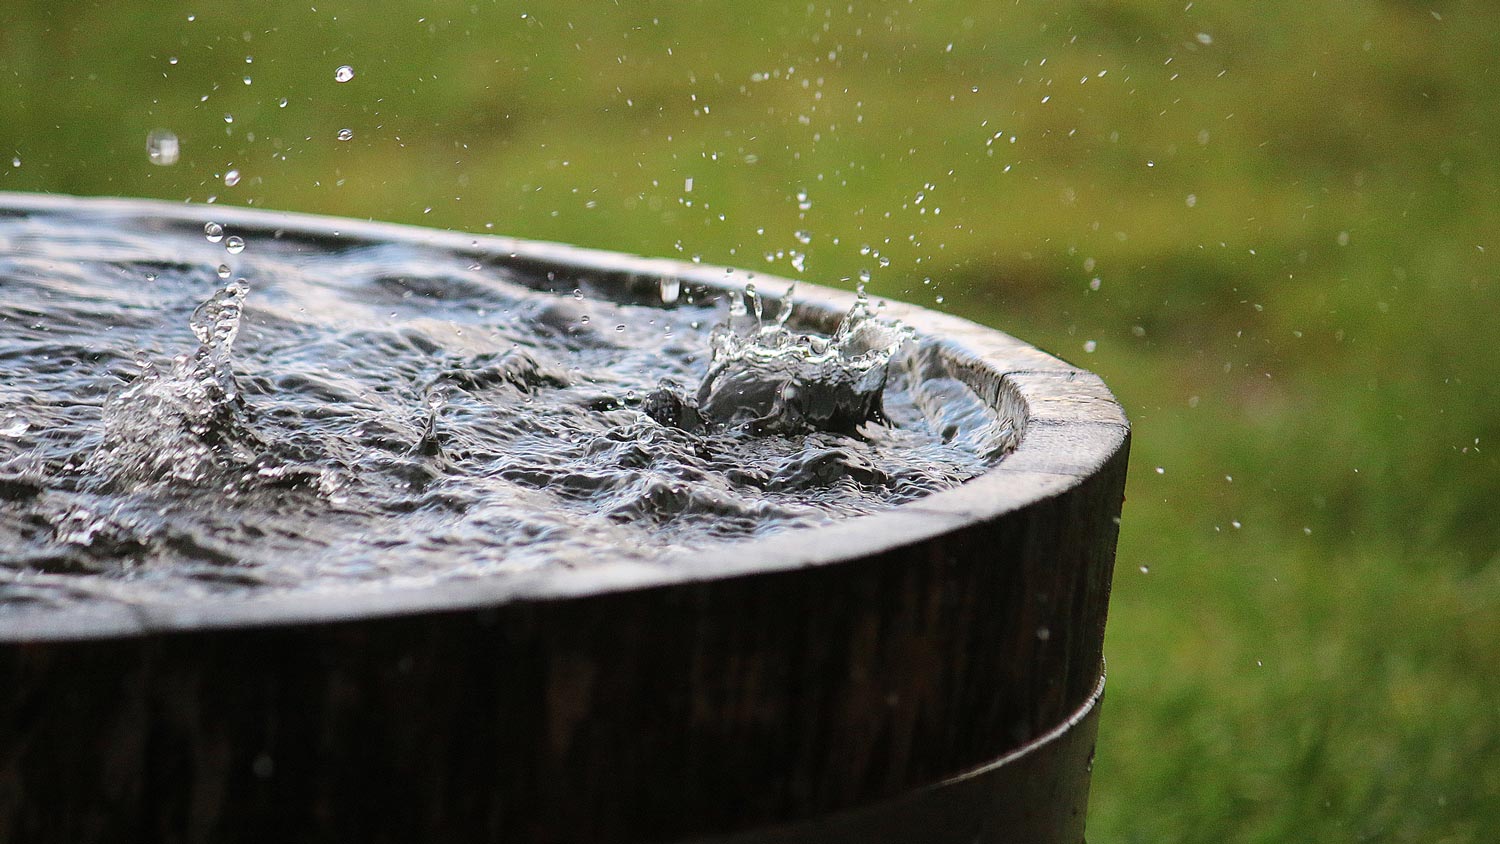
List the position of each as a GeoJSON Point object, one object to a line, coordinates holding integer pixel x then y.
{"type": "Point", "coordinates": [1068, 427]}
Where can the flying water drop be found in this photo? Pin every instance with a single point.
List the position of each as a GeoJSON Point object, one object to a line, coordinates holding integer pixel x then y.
{"type": "Point", "coordinates": [162, 148]}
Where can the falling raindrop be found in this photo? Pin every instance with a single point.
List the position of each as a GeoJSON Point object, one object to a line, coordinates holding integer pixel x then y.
{"type": "Point", "coordinates": [343, 74]}
{"type": "Point", "coordinates": [163, 148]}
{"type": "Point", "coordinates": [670, 288]}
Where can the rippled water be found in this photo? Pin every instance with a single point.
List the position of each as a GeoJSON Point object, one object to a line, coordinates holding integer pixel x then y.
{"type": "Point", "coordinates": [176, 419]}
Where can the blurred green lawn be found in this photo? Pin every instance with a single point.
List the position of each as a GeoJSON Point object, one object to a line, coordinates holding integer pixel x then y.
{"type": "Point", "coordinates": [1272, 227]}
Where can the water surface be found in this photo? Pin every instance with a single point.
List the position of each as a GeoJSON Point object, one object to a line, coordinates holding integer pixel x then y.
{"type": "Point", "coordinates": [185, 412]}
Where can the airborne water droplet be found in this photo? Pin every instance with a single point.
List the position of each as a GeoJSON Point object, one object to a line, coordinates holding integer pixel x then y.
{"type": "Point", "coordinates": [346, 134]}
{"type": "Point", "coordinates": [234, 244]}
{"type": "Point", "coordinates": [162, 148]}
{"type": "Point", "coordinates": [223, 271]}
{"type": "Point", "coordinates": [231, 178]}
{"type": "Point", "coordinates": [343, 74]}
{"type": "Point", "coordinates": [213, 231]}
{"type": "Point", "coordinates": [670, 288]}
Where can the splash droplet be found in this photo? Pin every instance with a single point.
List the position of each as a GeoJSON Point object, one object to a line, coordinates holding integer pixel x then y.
{"type": "Point", "coordinates": [213, 231]}
{"type": "Point", "coordinates": [343, 74]}
{"type": "Point", "coordinates": [346, 134]}
{"type": "Point", "coordinates": [234, 244]}
{"type": "Point", "coordinates": [231, 178]}
{"type": "Point", "coordinates": [163, 148]}
{"type": "Point", "coordinates": [670, 288]}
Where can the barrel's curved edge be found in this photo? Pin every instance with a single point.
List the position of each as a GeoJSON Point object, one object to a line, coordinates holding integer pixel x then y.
{"type": "Point", "coordinates": [1054, 768]}
{"type": "Point", "coordinates": [1073, 427]}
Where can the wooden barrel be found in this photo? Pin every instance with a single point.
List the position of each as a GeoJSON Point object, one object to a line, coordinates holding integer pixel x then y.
{"type": "Point", "coordinates": [929, 674]}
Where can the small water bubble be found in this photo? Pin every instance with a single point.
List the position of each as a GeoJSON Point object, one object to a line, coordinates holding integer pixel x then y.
{"type": "Point", "coordinates": [1089, 346]}
{"type": "Point", "coordinates": [247, 80]}
{"type": "Point", "coordinates": [583, 320]}
{"type": "Point", "coordinates": [343, 74]}
{"type": "Point", "coordinates": [172, 60]}
{"type": "Point", "coordinates": [803, 202]}
{"type": "Point", "coordinates": [231, 178]}
{"type": "Point", "coordinates": [346, 135]}
{"type": "Point", "coordinates": [1095, 283]}
{"type": "Point", "coordinates": [1161, 470]}
{"type": "Point", "coordinates": [1205, 39]}
{"type": "Point", "coordinates": [281, 103]}
{"type": "Point", "coordinates": [1343, 239]}
{"type": "Point", "coordinates": [1236, 524]}
{"type": "Point", "coordinates": [864, 276]}
{"type": "Point", "coordinates": [1145, 569]}
{"type": "Point", "coordinates": [213, 231]}
{"type": "Point", "coordinates": [803, 236]}
{"type": "Point", "coordinates": [228, 118]}
{"type": "Point", "coordinates": [234, 244]}
{"type": "Point", "coordinates": [16, 162]}
{"type": "Point", "coordinates": [799, 262]}
{"type": "Point", "coordinates": [1043, 634]}
{"type": "Point", "coordinates": [162, 148]}
{"type": "Point", "coordinates": [223, 271]}
{"type": "Point", "coordinates": [1192, 200]}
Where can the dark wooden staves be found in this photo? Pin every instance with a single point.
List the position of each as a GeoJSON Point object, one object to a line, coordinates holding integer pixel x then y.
{"type": "Point", "coordinates": [929, 674]}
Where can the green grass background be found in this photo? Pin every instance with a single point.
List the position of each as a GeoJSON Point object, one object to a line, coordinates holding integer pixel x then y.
{"type": "Point", "coordinates": [1276, 225]}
